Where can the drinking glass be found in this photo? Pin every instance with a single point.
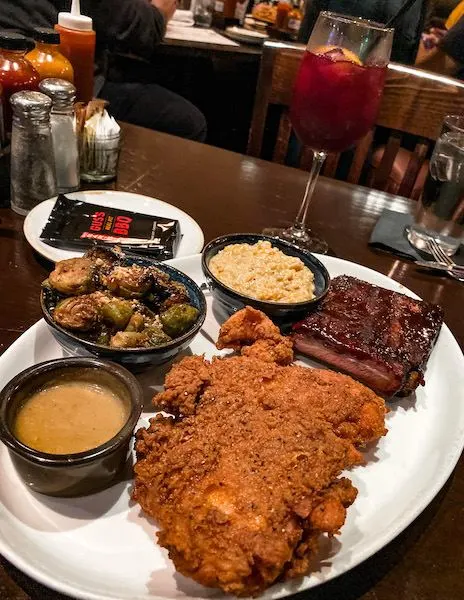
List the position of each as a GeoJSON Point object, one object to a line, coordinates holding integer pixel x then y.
{"type": "Point", "coordinates": [453, 123]}
{"type": "Point", "coordinates": [335, 99]}
{"type": "Point", "coordinates": [440, 212]}
{"type": "Point", "coordinates": [203, 13]}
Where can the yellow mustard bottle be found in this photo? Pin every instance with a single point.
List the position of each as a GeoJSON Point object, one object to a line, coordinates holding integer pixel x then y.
{"type": "Point", "coordinates": [46, 56]}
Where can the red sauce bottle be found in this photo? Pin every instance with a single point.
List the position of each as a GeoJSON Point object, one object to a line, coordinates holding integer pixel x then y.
{"type": "Point", "coordinates": [16, 73]}
{"type": "Point", "coordinates": [77, 43]}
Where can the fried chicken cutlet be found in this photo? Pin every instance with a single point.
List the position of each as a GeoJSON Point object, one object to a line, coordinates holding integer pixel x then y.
{"type": "Point", "coordinates": [245, 476]}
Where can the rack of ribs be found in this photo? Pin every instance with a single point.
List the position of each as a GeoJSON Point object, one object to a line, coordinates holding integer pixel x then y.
{"type": "Point", "coordinates": [381, 338]}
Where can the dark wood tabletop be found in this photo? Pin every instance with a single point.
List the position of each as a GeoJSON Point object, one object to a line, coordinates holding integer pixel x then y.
{"type": "Point", "coordinates": [227, 192]}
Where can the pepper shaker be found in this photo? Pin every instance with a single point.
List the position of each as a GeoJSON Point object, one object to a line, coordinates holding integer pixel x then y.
{"type": "Point", "coordinates": [33, 177]}
{"type": "Point", "coordinates": [65, 149]}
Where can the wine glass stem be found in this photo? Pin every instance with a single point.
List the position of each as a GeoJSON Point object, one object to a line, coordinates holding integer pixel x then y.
{"type": "Point", "coordinates": [318, 161]}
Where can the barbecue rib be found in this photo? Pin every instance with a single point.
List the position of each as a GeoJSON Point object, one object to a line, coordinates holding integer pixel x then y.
{"type": "Point", "coordinates": [246, 476]}
{"type": "Point", "coordinates": [379, 337]}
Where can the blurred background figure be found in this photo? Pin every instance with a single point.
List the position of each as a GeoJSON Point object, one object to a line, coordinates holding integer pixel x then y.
{"type": "Point", "coordinates": [407, 33]}
{"type": "Point", "coordinates": [444, 52]}
{"type": "Point", "coordinates": [442, 45]}
{"type": "Point", "coordinates": [133, 27]}
{"type": "Point", "coordinates": [438, 13]}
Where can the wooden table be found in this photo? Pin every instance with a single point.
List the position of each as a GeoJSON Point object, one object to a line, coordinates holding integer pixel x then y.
{"type": "Point", "coordinates": [228, 192]}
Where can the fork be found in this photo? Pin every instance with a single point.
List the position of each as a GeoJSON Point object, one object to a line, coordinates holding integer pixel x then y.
{"type": "Point", "coordinates": [439, 255]}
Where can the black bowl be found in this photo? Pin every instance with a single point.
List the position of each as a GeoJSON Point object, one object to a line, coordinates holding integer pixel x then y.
{"type": "Point", "coordinates": [283, 312]}
{"type": "Point", "coordinates": [68, 475]}
{"type": "Point", "coordinates": [130, 357]}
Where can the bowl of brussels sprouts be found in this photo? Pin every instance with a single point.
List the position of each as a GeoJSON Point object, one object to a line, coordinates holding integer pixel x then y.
{"type": "Point", "coordinates": [124, 307]}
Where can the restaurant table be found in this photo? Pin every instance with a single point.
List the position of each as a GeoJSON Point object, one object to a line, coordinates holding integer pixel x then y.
{"type": "Point", "coordinates": [227, 192]}
{"type": "Point", "coordinates": [218, 79]}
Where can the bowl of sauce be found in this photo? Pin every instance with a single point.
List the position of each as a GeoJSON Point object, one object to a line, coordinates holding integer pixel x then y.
{"type": "Point", "coordinates": [68, 424]}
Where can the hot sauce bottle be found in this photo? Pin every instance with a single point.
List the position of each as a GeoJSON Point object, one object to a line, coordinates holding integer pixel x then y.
{"type": "Point", "coordinates": [294, 19]}
{"type": "Point", "coordinates": [46, 57]}
{"type": "Point", "coordinates": [77, 43]}
{"type": "Point", "coordinates": [16, 73]}
{"type": "Point", "coordinates": [283, 8]}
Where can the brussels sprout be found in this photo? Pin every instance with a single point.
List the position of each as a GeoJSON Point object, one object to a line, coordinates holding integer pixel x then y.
{"type": "Point", "coordinates": [79, 313]}
{"type": "Point", "coordinates": [178, 318]}
{"type": "Point", "coordinates": [156, 336]}
{"type": "Point", "coordinates": [136, 323]}
{"type": "Point", "coordinates": [128, 282]}
{"type": "Point", "coordinates": [128, 339]}
{"type": "Point", "coordinates": [73, 276]}
{"type": "Point", "coordinates": [160, 278]}
{"type": "Point", "coordinates": [103, 258]}
{"type": "Point", "coordinates": [103, 338]}
{"type": "Point", "coordinates": [177, 295]}
{"type": "Point", "coordinates": [117, 312]}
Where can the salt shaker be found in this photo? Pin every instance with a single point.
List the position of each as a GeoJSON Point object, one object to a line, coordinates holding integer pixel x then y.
{"type": "Point", "coordinates": [32, 164]}
{"type": "Point", "coordinates": [63, 96]}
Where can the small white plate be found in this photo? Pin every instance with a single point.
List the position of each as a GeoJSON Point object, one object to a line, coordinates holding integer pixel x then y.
{"type": "Point", "coordinates": [101, 547]}
{"type": "Point", "coordinates": [191, 242]}
{"type": "Point", "coordinates": [246, 35]}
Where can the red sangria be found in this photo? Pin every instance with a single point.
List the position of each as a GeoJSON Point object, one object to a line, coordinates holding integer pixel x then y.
{"type": "Point", "coordinates": [335, 99]}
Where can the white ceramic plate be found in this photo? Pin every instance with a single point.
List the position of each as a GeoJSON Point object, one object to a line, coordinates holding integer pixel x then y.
{"type": "Point", "coordinates": [246, 35]}
{"type": "Point", "coordinates": [102, 548]}
{"type": "Point", "coordinates": [192, 236]}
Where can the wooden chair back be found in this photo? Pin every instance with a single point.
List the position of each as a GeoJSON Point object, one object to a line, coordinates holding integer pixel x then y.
{"type": "Point", "coordinates": [414, 102]}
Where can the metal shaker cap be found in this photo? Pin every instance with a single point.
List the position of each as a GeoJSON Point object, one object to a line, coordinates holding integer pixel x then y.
{"type": "Point", "coordinates": [31, 105]}
{"type": "Point", "coordinates": [62, 92]}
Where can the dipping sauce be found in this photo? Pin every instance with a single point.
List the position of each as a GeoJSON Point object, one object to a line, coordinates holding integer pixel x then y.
{"type": "Point", "coordinates": [70, 417]}
{"type": "Point", "coordinates": [263, 272]}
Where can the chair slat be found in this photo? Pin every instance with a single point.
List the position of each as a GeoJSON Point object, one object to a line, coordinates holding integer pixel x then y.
{"type": "Point", "coordinates": [306, 158]}
{"type": "Point", "coordinates": [381, 174]}
{"type": "Point", "coordinates": [360, 156]}
{"type": "Point", "coordinates": [412, 171]}
{"type": "Point", "coordinates": [261, 106]}
{"type": "Point", "coordinates": [283, 136]}
{"type": "Point", "coordinates": [330, 165]}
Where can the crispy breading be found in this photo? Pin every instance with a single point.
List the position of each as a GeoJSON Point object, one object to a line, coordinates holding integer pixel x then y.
{"type": "Point", "coordinates": [251, 332]}
{"type": "Point", "coordinates": [246, 476]}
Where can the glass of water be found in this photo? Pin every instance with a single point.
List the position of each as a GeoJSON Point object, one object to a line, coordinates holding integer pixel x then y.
{"type": "Point", "coordinates": [203, 13]}
{"type": "Point", "coordinates": [440, 212]}
{"type": "Point", "coordinates": [453, 123]}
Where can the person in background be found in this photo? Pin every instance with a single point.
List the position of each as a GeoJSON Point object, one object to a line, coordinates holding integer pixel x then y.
{"type": "Point", "coordinates": [442, 16]}
{"type": "Point", "coordinates": [135, 27]}
{"type": "Point", "coordinates": [446, 56]}
{"type": "Point", "coordinates": [407, 32]}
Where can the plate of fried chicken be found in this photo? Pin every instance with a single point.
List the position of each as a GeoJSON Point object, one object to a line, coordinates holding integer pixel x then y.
{"type": "Point", "coordinates": [258, 471]}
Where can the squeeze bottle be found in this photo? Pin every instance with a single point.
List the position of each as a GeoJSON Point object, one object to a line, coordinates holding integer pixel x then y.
{"type": "Point", "coordinates": [77, 43]}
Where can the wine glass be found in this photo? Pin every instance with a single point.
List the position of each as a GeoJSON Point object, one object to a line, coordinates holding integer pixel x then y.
{"type": "Point", "coordinates": [335, 100]}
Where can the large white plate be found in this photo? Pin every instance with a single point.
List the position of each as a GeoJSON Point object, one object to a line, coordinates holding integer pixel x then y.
{"type": "Point", "coordinates": [246, 35]}
{"type": "Point", "coordinates": [102, 548]}
{"type": "Point", "coordinates": [192, 236]}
